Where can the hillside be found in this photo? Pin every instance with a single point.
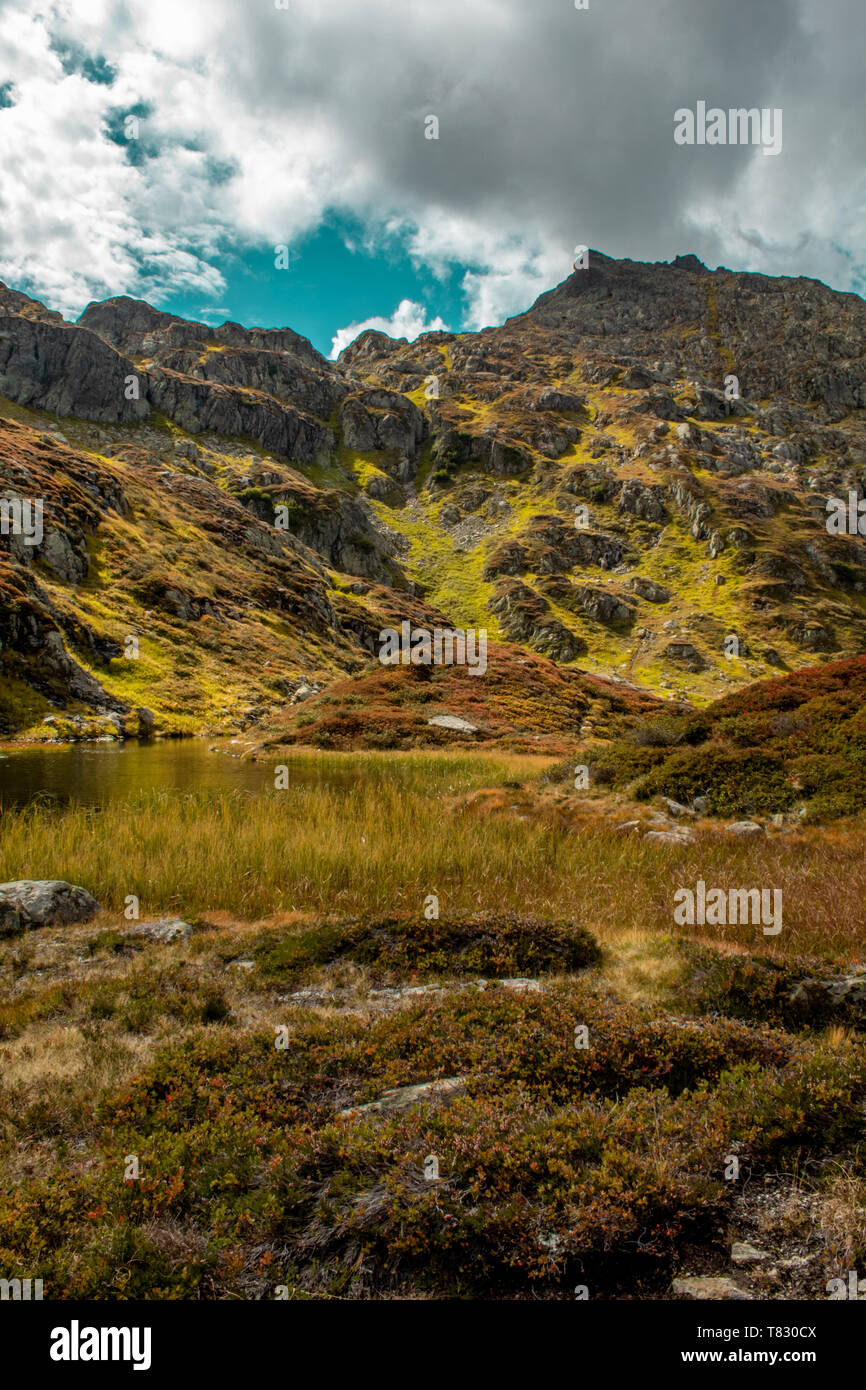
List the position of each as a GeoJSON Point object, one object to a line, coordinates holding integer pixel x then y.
{"type": "Point", "coordinates": [793, 742]}
{"type": "Point", "coordinates": [575, 481]}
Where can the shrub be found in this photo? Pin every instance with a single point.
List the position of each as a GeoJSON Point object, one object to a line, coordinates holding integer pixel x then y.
{"type": "Point", "coordinates": [733, 783]}
{"type": "Point", "coordinates": [493, 945]}
{"type": "Point", "coordinates": [760, 990]}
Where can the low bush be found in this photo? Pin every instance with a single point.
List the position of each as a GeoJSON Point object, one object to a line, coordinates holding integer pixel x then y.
{"type": "Point", "coordinates": [490, 945]}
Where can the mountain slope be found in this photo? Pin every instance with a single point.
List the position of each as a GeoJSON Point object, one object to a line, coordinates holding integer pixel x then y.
{"type": "Point", "coordinates": [575, 481]}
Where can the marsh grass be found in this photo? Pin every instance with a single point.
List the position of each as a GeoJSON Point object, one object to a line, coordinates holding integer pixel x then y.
{"type": "Point", "coordinates": [400, 832]}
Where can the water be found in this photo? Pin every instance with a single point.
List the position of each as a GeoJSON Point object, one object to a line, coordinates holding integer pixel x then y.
{"type": "Point", "coordinates": [97, 773]}
{"type": "Point", "coordinates": [94, 774]}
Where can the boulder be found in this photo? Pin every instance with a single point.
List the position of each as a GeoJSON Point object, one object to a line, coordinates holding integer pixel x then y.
{"type": "Point", "coordinates": [685, 654]}
{"type": "Point", "coordinates": [146, 722]}
{"type": "Point", "coordinates": [648, 589]}
{"type": "Point", "coordinates": [47, 902]}
{"type": "Point", "coordinates": [452, 721]}
{"type": "Point", "coordinates": [603, 606]}
{"type": "Point", "coordinates": [643, 500]}
{"type": "Point", "coordinates": [842, 995]}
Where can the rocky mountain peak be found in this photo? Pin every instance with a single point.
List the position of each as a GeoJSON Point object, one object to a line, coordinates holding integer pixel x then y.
{"type": "Point", "coordinates": [623, 477]}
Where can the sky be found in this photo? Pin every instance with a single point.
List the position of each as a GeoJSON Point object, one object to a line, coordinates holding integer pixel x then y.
{"type": "Point", "coordinates": [306, 127]}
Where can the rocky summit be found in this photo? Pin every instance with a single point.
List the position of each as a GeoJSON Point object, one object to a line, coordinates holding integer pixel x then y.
{"type": "Point", "coordinates": [628, 481]}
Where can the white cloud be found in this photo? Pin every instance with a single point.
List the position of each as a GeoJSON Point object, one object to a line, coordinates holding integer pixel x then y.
{"type": "Point", "coordinates": [409, 320]}
{"type": "Point", "coordinates": [556, 128]}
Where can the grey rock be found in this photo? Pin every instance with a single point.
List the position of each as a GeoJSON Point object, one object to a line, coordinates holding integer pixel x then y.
{"type": "Point", "coordinates": [744, 827]}
{"type": "Point", "coordinates": [603, 606]}
{"type": "Point", "coordinates": [688, 435]}
{"type": "Point", "coordinates": [402, 1098]}
{"type": "Point", "coordinates": [685, 654]}
{"type": "Point", "coordinates": [642, 500]}
{"type": "Point", "coordinates": [845, 993]}
{"type": "Point", "coordinates": [680, 836]}
{"type": "Point", "coordinates": [709, 1286]}
{"type": "Point", "coordinates": [165, 930]}
{"type": "Point", "coordinates": [648, 589]}
{"type": "Point", "coordinates": [68, 370]}
{"type": "Point", "coordinates": [146, 722]}
{"type": "Point", "coordinates": [552, 399]}
{"type": "Point", "coordinates": [29, 903]}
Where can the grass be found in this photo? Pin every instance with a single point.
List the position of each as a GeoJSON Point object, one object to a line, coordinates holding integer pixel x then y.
{"type": "Point", "coordinates": [410, 828]}
{"type": "Point", "coordinates": [558, 1163]}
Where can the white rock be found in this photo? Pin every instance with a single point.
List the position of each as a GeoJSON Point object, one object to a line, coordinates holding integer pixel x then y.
{"type": "Point", "coordinates": [451, 721]}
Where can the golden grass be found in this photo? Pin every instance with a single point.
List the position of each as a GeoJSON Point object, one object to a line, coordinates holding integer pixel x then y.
{"type": "Point", "coordinates": [398, 833]}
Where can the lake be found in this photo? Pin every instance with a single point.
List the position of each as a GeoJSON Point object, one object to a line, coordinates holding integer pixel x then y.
{"type": "Point", "coordinates": [95, 774]}
{"type": "Point", "coordinates": [99, 773]}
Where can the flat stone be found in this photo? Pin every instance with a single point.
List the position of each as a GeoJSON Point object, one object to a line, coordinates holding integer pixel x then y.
{"type": "Point", "coordinates": [166, 930]}
{"type": "Point", "coordinates": [745, 827]}
{"type": "Point", "coordinates": [676, 808]}
{"type": "Point", "coordinates": [405, 1097]}
{"type": "Point", "coordinates": [670, 837]}
{"type": "Point", "coordinates": [709, 1286]}
{"type": "Point", "coordinates": [452, 721]}
{"type": "Point", "coordinates": [43, 902]}
{"type": "Point", "coordinates": [742, 1253]}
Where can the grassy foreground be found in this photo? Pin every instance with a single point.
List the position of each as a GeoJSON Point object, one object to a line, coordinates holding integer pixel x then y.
{"type": "Point", "coordinates": [182, 1120]}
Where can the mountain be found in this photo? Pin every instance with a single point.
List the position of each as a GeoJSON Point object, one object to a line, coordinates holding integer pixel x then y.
{"type": "Point", "coordinates": [587, 482]}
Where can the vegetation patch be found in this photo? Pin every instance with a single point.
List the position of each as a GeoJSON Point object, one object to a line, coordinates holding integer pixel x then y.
{"type": "Point", "coordinates": [490, 945]}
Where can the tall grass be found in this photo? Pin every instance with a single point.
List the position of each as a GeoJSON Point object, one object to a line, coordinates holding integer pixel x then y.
{"type": "Point", "coordinates": [384, 845]}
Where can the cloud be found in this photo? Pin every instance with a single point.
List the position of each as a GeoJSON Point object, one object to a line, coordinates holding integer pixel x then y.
{"type": "Point", "coordinates": [409, 320]}
{"type": "Point", "coordinates": [555, 128]}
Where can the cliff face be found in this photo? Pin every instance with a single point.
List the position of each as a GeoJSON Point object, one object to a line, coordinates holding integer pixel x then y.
{"type": "Point", "coordinates": [632, 477]}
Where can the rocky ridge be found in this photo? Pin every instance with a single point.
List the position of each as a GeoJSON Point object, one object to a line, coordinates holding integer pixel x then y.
{"type": "Point", "coordinates": [583, 481]}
